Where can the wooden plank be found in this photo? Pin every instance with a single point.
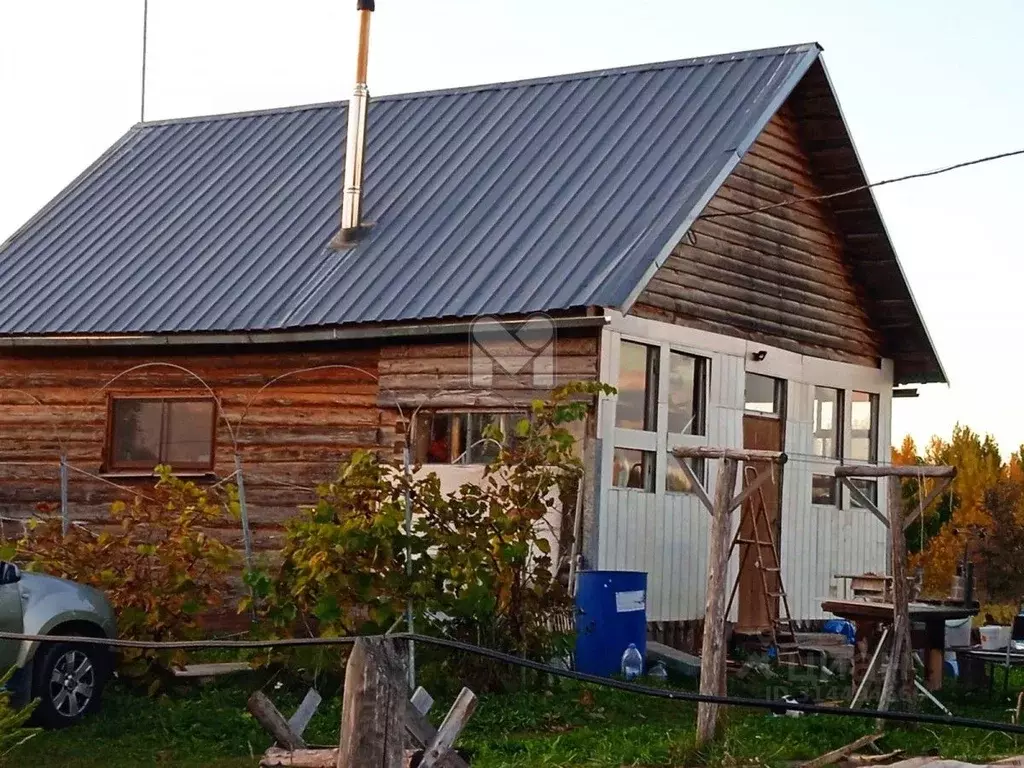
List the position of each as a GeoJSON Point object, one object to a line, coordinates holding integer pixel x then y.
{"type": "Point", "coordinates": [421, 700]}
{"type": "Point", "coordinates": [275, 757]}
{"type": "Point", "coordinates": [307, 708]}
{"type": "Point", "coordinates": [928, 500]}
{"type": "Point", "coordinates": [838, 754]}
{"type": "Point", "coordinates": [373, 707]}
{"type": "Point", "coordinates": [735, 454]}
{"type": "Point", "coordinates": [266, 714]}
{"type": "Point", "coordinates": [893, 470]}
{"type": "Point", "coordinates": [451, 727]}
{"type": "Point", "coordinates": [713, 650]}
{"type": "Point", "coordinates": [863, 500]}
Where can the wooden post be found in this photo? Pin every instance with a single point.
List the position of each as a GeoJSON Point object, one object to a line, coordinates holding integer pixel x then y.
{"type": "Point", "coordinates": [901, 611]}
{"type": "Point", "coordinates": [373, 707]}
{"type": "Point", "coordinates": [267, 715]}
{"type": "Point", "coordinates": [712, 660]}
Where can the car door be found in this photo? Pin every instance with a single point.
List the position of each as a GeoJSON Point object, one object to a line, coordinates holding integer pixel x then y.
{"type": "Point", "coordinates": [11, 616]}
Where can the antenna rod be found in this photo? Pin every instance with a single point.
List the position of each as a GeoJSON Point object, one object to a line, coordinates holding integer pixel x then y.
{"type": "Point", "coordinates": [145, 29]}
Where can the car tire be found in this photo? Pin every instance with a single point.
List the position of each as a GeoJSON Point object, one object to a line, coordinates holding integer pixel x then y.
{"type": "Point", "coordinates": [69, 681]}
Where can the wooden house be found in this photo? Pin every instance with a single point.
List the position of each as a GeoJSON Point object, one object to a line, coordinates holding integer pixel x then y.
{"type": "Point", "coordinates": [626, 214]}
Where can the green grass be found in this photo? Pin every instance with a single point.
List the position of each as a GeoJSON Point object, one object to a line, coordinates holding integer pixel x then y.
{"type": "Point", "coordinates": [568, 725]}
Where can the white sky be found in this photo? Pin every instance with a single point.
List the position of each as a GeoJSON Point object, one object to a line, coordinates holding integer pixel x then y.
{"type": "Point", "coordinates": [922, 84]}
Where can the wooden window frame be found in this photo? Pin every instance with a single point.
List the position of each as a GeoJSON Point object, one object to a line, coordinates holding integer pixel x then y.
{"type": "Point", "coordinates": [135, 467]}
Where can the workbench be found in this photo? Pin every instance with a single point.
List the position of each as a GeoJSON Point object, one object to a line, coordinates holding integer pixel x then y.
{"type": "Point", "coordinates": [868, 616]}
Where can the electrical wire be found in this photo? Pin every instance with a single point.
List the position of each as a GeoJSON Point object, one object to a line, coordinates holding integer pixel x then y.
{"type": "Point", "coordinates": [456, 645]}
{"type": "Point", "coordinates": [862, 187]}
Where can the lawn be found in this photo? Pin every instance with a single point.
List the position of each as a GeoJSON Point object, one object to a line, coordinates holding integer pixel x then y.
{"type": "Point", "coordinates": [565, 725]}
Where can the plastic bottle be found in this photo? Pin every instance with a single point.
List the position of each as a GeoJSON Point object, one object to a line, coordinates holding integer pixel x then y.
{"type": "Point", "coordinates": [632, 663]}
{"type": "Point", "coordinates": [658, 672]}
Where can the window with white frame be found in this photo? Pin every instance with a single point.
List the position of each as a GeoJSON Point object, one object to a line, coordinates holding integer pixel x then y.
{"type": "Point", "coordinates": [827, 424]}
{"type": "Point", "coordinates": [864, 441]}
{"type": "Point", "coordinates": [662, 404]}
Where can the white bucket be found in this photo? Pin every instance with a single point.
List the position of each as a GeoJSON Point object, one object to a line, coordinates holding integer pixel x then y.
{"type": "Point", "coordinates": [994, 638]}
{"type": "Point", "coordinates": [958, 632]}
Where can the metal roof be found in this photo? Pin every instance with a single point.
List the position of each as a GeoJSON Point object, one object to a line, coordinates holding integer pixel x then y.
{"type": "Point", "coordinates": [538, 195]}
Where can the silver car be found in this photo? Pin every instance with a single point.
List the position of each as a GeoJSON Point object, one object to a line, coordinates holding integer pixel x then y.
{"type": "Point", "coordinates": [68, 679]}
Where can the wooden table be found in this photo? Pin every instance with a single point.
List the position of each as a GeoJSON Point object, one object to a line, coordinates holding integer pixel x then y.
{"type": "Point", "coordinates": [869, 616]}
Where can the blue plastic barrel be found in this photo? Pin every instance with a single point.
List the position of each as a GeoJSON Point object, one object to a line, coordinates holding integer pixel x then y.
{"type": "Point", "coordinates": [611, 613]}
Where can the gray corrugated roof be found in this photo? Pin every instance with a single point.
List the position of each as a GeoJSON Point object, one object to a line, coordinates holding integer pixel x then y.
{"type": "Point", "coordinates": [529, 196]}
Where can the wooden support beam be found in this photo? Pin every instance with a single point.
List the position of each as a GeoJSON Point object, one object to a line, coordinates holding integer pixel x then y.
{"type": "Point", "coordinates": [894, 470]}
{"type": "Point", "coordinates": [736, 454]}
{"type": "Point", "coordinates": [900, 592]}
{"type": "Point", "coordinates": [712, 660]}
{"type": "Point", "coordinates": [838, 754]}
{"type": "Point", "coordinates": [763, 477]}
{"type": "Point", "coordinates": [373, 707]}
{"type": "Point", "coordinates": [266, 714]}
{"type": "Point", "coordinates": [937, 491]}
{"type": "Point", "coordinates": [698, 489]}
{"type": "Point", "coordinates": [863, 500]}
{"type": "Point", "coordinates": [310, 703]}
{"type": "Point", "coordinates": [451, 727]}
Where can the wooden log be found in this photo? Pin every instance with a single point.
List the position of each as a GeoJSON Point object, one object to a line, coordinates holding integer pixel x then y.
{"type": "Point", "coordinates": [900, 596]}
{"type": "Point", "coordinates": [456, 719]}
{"type": "Point", "coordinates": [894, 470]}
{"type": "Point", "coordinates": [266, 714]}
{"type": "Point", "coordinates": [838, 754]}
{"type": "Point", "coordinates": [734, 454]}
{"type": "Point", "coordinates": [275, 757]}
{"type": "Point", "coordinates": [712, 662]}
{"type": "Point", "coordinates": [373, 707]}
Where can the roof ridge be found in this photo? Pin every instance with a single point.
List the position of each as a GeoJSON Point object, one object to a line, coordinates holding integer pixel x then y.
{"type": "Point", "coordinates": [500, 85]}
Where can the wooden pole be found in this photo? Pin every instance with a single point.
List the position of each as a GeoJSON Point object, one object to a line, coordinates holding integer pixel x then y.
{"type": "Point", "coordinates": [900, 598]}
{"type": "Point", "coordinates": [373, 707]}
{"type": "Point", "coordinates": [267, 715]}
{"type": "Point", "coordinates": [712, 659]}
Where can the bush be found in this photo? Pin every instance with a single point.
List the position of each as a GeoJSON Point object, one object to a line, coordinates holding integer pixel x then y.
{"type": "Point", "coordinates": [13, 732]}
{"type": "Point", "coordinates": [159, 568]}
{"type": "Point", "coordinates": [481, 568]}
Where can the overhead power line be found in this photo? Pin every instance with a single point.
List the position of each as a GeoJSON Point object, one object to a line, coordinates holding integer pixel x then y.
{"type": "Point", "coordinates": [862, 187]}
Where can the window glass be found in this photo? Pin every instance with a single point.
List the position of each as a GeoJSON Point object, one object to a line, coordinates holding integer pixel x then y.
{"type": "Point", "coordinates": [145, 432]}
{"type": "Point", "coordinates": [868, 487]}
{"type": "Point", "coordinates": [763, 394]}
{"type": "Point", "coordinates": [686, 376]}
{"type": "Point", "coordinates": [823, 490]}
{"type": "Point", "coordinates": [864, 427]}
{"type": "Point", "coordinates": [136, 432]}
{"type": "Point", "coordinates": [189, 432]}
{"type": "Point", "coordinates": [827, 418]}
{"type": "Point", "coordinates": [638, 387]}
{"type": "Point", "coordinates": [676, 480]}
{"type": "Point", "coordinates": [444, 438]}
{"type": "Point", "coordinates": [633, 469]}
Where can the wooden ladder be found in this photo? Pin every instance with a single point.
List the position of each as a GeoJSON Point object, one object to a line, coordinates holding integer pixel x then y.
{"type": "Point", "coordinates": [783, 631]}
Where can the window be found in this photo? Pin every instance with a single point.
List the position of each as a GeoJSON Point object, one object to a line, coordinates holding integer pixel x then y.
{"type": "Point", "coordinates": [763, 394]}
{"type": "Point", "coordinates": [145, 432]}
{"type": "Point", "coordinates": [868, 487]}
{"type": "Point", "coordinates": [446, 438]}
{"type": "Point", "coordinates": [864, 427]}
{"type": "Point", "coordinates": [638, 387]}
{"type": "Point", "coordinates": [823, 490]}
{"type": "Point", "coordinates": [633, 469]}
{"type": "Point", "coordinates": [686, 386]}
{"type": "Point", "coordinates": [828, 416]}
{"type": "Point", "coordinates": [676, 480]}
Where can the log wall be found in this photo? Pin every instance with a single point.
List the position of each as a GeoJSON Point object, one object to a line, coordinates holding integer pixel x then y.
{"type": "Point", "coordinates": [779, 277]}
{"type": "Point", "coordinates": [295, 432]}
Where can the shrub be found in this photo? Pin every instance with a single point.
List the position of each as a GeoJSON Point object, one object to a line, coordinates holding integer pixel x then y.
{"type": "Point", "coordinates": [13, 732]}
{"type": "Point", "coordinates": [481, 568]}
{"type": "Point", "coordinates": [159, 567]}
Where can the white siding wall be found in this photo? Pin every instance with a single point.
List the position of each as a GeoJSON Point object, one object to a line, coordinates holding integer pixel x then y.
{"type": "Point", "coordinates": [665, 534]}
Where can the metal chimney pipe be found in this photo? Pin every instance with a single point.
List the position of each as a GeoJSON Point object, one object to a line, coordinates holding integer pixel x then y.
{"type": "Point", "coordinates": [355, 149]}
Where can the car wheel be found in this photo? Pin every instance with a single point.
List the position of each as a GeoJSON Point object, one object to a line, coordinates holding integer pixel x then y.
{"type": "Point", "coordinates": [68, 683]}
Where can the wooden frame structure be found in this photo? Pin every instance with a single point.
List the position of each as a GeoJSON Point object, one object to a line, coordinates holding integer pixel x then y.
{"type": "Point", "coordinates": [713, 650]}
{"type": "Point", "coordinates": [901, 666]}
